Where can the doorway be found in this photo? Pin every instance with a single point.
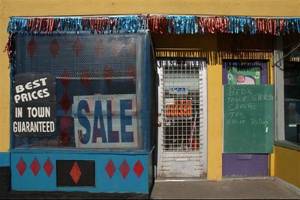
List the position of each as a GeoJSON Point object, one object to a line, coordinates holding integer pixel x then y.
{"type": "Point", "coordinates": [182, 110]}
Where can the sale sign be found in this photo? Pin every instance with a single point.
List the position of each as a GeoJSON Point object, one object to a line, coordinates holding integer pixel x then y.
{"type": "Point", "coordinates": [179, 108]}
{"type": "Point", "coordinates": [105, 121]}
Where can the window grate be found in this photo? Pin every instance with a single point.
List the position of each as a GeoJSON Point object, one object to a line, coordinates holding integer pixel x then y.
{"type": "Point", "coordinates": [182, 107]}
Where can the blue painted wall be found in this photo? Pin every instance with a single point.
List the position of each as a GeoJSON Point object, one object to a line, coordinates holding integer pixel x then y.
{"type": "Point", "coordinates": [4, 159]}
{"type": "Point", "coordinates": [117, 183]}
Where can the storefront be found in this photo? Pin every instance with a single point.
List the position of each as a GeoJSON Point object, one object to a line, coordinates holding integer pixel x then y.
{"type": "Point", "coordinates": [246, 103]}
{"type": "Point", "coordinates": [110, 103]}
{"type": "Point", "coordinates": [81, 111]}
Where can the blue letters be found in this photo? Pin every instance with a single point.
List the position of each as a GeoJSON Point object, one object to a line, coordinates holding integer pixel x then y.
{"type": "Point", "coordinates": [113, 136]}
{"type": "Point", "coordinates": [98, 115]}
{"type": "Point", "coordinates": [125, 120]}
{"type": "Point", "coordinates": [110, 121]}
{"type": "Point", "coordinates": [83, 120]}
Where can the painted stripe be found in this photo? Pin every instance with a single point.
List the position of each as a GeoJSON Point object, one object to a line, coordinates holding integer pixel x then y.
{"type": "Point", "coordinates": [81, 151]}
{"type": "Point", "coordinates": [117, 182]}
{"type": "Point", "coordinates": [4, 159]}
{"type": "Point", "coordinates": [215, 124]}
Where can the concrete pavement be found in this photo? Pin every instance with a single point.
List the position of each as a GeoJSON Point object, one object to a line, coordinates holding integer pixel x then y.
{"type": "Point", "coordinates": [254, 188]}
{"type": "Point", "coordinates": [246, 188]}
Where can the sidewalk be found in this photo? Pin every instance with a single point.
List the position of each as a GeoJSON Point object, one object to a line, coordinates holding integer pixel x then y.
{"type": "Point", "coordinates": [254, 188]}
{"type": "Point", "coordinates": [260, 188]}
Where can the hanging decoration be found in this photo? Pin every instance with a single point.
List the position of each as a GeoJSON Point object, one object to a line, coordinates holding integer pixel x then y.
{"type": "Point", "coordinates": [212, 25]}
{"type": "Point", "coordinates": [31, 47]}
{"type": "Point", "coordinates": [10, 48]}
{"type": "Point", "coordinates": [182, 24]}
{"type": "Point", "coordinates": [161, 24]}
{"type": "Point", "coordinates": [54, 48]}
{"type": "Point", "coordinates": [103, 25]}
{"type": "Point", "coordinates": [158, 24]}
{"type": "Point", "coordinates": [216, 57]}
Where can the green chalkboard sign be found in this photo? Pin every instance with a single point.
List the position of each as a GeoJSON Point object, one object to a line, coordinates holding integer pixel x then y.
{"type": "Point", "coordinates": [248, 118]}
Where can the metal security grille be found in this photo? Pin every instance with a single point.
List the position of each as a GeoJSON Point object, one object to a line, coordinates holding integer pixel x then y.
{"type": "Point", "coordinates": [77, 55]}
{"type": "Point", "coordinates": [182, 104]}
{"type": "Point", "coordinates": [87, 64]}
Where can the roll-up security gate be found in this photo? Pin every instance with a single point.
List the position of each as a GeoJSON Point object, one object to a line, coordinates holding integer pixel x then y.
{"type": "Point", "coordinates": [182, 112]}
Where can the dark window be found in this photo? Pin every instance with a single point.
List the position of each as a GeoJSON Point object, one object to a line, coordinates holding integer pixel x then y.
{"type": "Point", "coordinates": [99, 72]}
{"type": "Point", "coordinates": [292, 101]}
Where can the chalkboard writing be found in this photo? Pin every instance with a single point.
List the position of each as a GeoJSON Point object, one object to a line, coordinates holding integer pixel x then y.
{"type": "Point", "coordinates": [248, 118]}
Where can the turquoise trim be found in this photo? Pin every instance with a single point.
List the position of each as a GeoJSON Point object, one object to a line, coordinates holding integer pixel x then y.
{"type": "Point", "coordinates": [4, 159]}
{"type": "Point", "coordinates": [80, 151]}
{"type": "Point", "coordinates": [132, 183]}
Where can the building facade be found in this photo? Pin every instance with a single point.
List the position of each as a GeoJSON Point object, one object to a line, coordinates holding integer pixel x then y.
{"type": "Point", "coordinates": [224, 92]}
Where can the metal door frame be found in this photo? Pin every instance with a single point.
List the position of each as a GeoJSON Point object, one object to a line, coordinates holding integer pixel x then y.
{"type": "Point", "coordinates": [203, 101]}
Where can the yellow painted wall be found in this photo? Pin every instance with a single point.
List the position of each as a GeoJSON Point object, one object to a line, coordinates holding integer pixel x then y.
{"type": "Point", "coordinates": [272, 164]}
{"type": "Point", "coordinates": [287, 165]}
{"type": "Point", "coordinates": [205, 7]}
{"type": "Point", "coordinates": [215, 122]}
{"type": "Point", "coordinates": [4, 83]}
{"type": "Point", "coordinates": [99, 7]}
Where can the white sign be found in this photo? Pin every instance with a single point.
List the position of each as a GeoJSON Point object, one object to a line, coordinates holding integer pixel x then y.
{"type": "Point", "coordinates": [34, 105]}
{"type": "Point", "coordinates": [105, 121]}
{"type": "Point", "coordinates": [178, 90]}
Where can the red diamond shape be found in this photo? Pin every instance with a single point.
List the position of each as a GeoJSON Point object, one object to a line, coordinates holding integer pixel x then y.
{"type": "Point", "coordinates": [124, 168]}
{"type": "Point", "coordinates": [48, 167]}
{"type": "Point", "coordinates": [99, 48]}
{"type": "Point", "coordinates": [21, 167]}
{"type": "Point", "coordinates": [115, 49]}
{"type": "Point", "coordinates": [31, 47]}
{"type": "Point", "coordinates": [65, 78]}
{"type": "Point", "coordinates": [77, 47]}
{"type": "Point", "coordinates": [35, 167]}
{"type": "Point", "coordinates": [75, 173]}
{"type": "Point", "coordinates": [110, 168]}
{"type": "Point", "coordinates": [65, 122]}
{"type": "Point", "coordinates": [65, 102]}
{"type": "Point", "coordinates": [85, 78]}
{"type": "Point", "coordinates": [54, 47]}
{"type": "Point", "coordinates": [108, 73]}
{"type": "Point", "coordinates": [64, 137]}
{"type": "Point", "coordinates": [132, 72]}
{"type": "Point", "coordinates": [138, 168]}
